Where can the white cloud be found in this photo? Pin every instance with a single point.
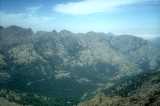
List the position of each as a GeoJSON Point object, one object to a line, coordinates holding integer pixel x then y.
{"type": "Point", "coordinates": [33, 10]}
{"type": "Point", "coordinates": [91, 6]}
{"type": "Point", "coordinates": [29, 18]}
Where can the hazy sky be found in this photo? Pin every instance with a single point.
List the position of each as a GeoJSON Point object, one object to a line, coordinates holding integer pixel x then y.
{"type": "Point", "coordinates": [138, 17]}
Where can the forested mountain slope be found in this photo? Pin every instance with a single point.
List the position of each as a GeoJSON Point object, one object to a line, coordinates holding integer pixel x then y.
{"type": "Point", "coordinates": [142, 90]}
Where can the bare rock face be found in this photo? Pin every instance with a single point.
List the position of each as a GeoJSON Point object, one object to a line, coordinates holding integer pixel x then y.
{"type": "Point", "coordinates": [24, 54]}
{"type": "Point", "coordinates": [4, 102]}
{"type": "Point", "coordinates": [14, 35]}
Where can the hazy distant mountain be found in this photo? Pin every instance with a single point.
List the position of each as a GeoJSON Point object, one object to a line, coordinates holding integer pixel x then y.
{"type": "Point", "coordinates": [156, 42]}
{"type": "Point", "coordinates": [66, 64]}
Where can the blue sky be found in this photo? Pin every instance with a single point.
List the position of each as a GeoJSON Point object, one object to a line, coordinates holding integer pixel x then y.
{"type": "Point", "coordinates": [138, 17]}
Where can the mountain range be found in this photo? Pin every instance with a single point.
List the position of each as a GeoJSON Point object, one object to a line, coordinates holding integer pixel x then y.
{"type": "Point", "coordinates": [74, 66]}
